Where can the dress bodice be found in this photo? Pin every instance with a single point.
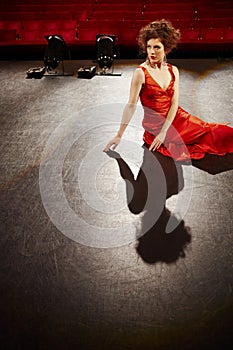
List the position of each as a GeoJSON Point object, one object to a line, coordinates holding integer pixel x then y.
{"type": "Point", "coordinates": [153, 96]}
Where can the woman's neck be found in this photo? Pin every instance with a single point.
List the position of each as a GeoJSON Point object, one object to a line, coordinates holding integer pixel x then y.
{"type": "Point", "coordinates": [158, 65]}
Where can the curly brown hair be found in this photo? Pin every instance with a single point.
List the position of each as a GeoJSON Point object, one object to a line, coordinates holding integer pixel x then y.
{"type": "Point", "coordinates": [161, 29]}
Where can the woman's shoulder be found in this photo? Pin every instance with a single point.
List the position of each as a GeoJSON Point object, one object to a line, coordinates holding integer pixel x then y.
{"type": "Point", "coordinates": [142, 66]}
{"type": "Point", "coordinates": [140, 69]}
{"type": "Point", "coordinates": [138, 75]}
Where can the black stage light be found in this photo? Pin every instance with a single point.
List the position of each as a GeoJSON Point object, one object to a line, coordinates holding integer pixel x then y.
{"type": "Point", "coordinates": [105, 53]}
{"type": "Point", "coordinates": [55, 53]}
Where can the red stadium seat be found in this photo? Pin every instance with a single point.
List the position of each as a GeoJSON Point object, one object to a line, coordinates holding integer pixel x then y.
{"type": "Point", "coordinates": [68, 35]}
{"type": "Point", "coordinates": [190, 35]}
{"type": "Point", "coordinates": [103, 15]}
{"type": "Point", "coordinates": [228, 35]}
{"type": "Point", "coordinates": [68, 24]}
{"type": "Point", "coordinates": [8, 35]}
{"type": "Point", "coordinates": [86, 31]}
{"type": "Point", "coordinates": [5, 24]}
{"type": "Point", "coordinates": [32, 36]}
{"type": "Point", "coordinates": [31, 25]}
{"type": "Point", "coordinates": [109, 27]}
{"type": "Point", "coordinates": [200, 22]}
{"type": "Point", "coordinates": [128, 33]}
{"type": "Point", "coordinates": [212, 35]}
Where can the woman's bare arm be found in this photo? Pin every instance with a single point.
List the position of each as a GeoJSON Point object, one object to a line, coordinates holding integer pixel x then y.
{"type": "Point", "coordinates": [135, 88]}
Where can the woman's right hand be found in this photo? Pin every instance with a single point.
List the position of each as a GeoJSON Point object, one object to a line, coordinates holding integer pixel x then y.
{"type": "Point", "coordinates": [113, 143]}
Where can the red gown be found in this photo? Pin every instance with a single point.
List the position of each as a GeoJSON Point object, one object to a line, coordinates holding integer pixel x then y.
{"type": "Point", "coordinates": [188, 137]}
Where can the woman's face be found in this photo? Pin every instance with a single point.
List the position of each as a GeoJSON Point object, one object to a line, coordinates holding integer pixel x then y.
{"type": "Point", "coordinates": [155, 51]}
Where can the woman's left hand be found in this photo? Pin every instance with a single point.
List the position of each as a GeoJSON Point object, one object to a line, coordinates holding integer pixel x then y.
{"type": "Point", "coordinates": [157, 142]}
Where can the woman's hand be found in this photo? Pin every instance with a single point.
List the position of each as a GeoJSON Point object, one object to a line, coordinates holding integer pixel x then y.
{"type": "Point", "coordinates": [158, 140]}
{"type": "Point", "coordinates": [113, 143]}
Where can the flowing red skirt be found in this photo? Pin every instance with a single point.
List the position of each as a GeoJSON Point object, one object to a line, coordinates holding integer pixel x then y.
{"type": "Point", "coordinates": [191, 138]}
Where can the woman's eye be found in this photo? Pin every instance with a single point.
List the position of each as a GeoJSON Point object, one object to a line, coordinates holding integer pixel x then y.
{"type": "Point", "coordinates": [155, 47]}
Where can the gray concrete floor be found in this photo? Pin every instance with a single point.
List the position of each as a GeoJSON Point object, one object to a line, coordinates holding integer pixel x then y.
{"type": "Point", "coordinates": [79, 267]}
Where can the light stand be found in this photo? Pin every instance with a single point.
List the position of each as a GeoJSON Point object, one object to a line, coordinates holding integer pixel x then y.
{"type": "Point", "coordinates": [55, 53]}
{"type": "Point", "coordinates": [105, 54]}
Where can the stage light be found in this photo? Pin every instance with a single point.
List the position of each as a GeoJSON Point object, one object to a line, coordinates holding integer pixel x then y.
{"type": "Point", "coordinates": [55, 53]}
{"type": "Point", "coordinates": [105, 53]}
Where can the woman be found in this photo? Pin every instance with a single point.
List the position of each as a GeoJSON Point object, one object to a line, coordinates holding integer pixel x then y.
{"type": "Point", "coordinates": [168, 128]}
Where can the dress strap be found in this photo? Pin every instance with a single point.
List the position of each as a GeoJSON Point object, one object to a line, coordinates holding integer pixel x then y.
{"type": "Point", "coordinates": [143, 68]}
{"type": "Point", "coordinates": [171, 71]}
{"type": "Point", "coordinates": [168, 64]}
{"type": "Point", "coordinates": [169, 67]}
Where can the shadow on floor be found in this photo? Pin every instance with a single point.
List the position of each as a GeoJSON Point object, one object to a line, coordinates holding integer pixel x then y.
{"type": "Point", "coordinates": [158, 179]}
{"type": "Point", "coordinates": [213, 164]}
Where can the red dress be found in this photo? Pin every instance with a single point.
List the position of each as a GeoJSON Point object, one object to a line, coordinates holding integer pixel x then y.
{"type": "Point", "coordinates": [188, 137]}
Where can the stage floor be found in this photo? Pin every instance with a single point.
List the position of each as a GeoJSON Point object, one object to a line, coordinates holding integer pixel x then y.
{"type": "Point", "coordinates": [79, 269]}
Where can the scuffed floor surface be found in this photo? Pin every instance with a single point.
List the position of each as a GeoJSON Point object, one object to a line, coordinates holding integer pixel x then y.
{"type": "Point", "coordinates": [78, 268]}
